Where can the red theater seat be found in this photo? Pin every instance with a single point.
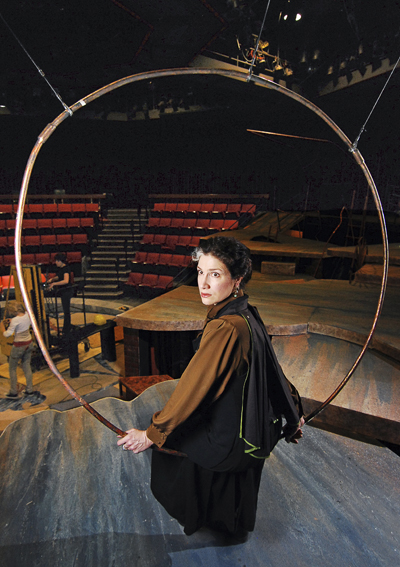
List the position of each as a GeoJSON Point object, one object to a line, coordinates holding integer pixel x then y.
{"type": "Point", "coordinates": [87, 222]}
{"type": "Point", "coordinates": [207, 208]}
{"type": "Point", "coordinates": [79, 238]}
{"type": "Point", "coordinates": [74, 257]}
{"type": "Point", "coordinates": [183, 207]}
{"type": "Point", "coordinates": [42, 258]}
{"type": "Point", "coordinates": [194, 208]}
{"type": "Point", "coordinates": [159, 207]}
{"type": "Point", "coordinates": [160, 239]}
{"type": "Point", "coordinates": [248, 209]}
{"type": "Point", "coordinates": [217, 224]}
{"type": "Point", "coordinates": [31, 241]}
{"type": "Point", "coordinates": [78, 209]}
{"type": "Point", "coordinates": [64, 209]}
{"type": "Point", "coordinates": [50, 209]}
{"type": "Point", "coordinates": [48, 239]}
{"type": "Point", "coordinates": [234, 208]}
{"type": "Point", "coordinates": [152, 258]}
{"type": "Point", "coordinates": [190, 223]}
{"type": "Point", "coordinates": [64, 239]}
{"type": "Point", "coordinates": [135, 279]}
{"type": "Point", "coordinates": [149, 280]}
{"type": "Point", "coordinates": [92, 207]}
{"type": "Point", "coordinates": [8, 260]}
{"type": "Point", "coordinates": [220, 208]}
{"type": "Point", "coordinates": [230, 224]}
{"type": "Point", "coordinates": [59, 224]}
{"type": "Point", "coordinates": [203, 224]}
{"type": "Point", "coordinates": [164, 282]}
{"type": "Point", "coordinates": [165, 259]}
{"type": "Point", "coordinates": [148, 238]}
{"type": "Point", "coordinates": [28, 258]}
{"type": "Point", "coordinates": [165, 222]}
{"type": "Point", "coordinates": [45, 224]}
{"type": "Point", "coordinates": [6, 209]}
{"type": "Point", "coordinates": [178, 260]}
{"type": "Point", "coordinates": [171, 241]}
{"type": "Point", "coordinates": [153, 222]}
{"type": "Point", "coordinates": [170, 207]}
{"type": "Point", "coordinates": [140, 257]}
{"type": "Point", "coordinates": [177, 223]}
{"type": "Point", "coordinates": [74, 222]}
{"type": "Point", "coordinates": [35, 209]}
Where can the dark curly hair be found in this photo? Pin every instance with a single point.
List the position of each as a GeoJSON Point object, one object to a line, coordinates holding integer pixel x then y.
{"type": "Point", "coordinates": [231, 252]}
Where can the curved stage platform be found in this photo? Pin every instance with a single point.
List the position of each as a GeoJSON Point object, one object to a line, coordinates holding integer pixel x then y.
{"type": "Point", "coordinates": [71, 497]}
{"type": "Point", "coordinates": [317, 328]}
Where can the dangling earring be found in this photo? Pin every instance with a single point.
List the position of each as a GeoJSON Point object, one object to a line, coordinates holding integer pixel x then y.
{"type": "Point", "coordinates": [236, 292]}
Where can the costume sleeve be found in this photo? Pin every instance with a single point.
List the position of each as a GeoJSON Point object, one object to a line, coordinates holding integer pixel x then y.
{"type": "Point", "coordinates": [11, 329]}
{"type": "Point", "coordinates": [218, 357]}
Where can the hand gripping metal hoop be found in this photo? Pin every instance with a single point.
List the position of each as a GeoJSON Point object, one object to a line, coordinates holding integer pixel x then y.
{"type": "Point", "coordinates": [47, 132]}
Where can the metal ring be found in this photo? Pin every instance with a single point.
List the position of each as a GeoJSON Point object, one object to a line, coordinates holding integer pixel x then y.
{"type": "Point", "coordinates": [237, 75]}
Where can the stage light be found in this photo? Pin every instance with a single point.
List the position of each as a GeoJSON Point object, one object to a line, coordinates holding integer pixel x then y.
{"type": "Point", "coordinates": [298, 17]}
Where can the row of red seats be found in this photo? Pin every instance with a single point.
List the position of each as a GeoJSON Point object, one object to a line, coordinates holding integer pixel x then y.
{"type": "Point", "coordinates": [171, 241]}
{"type": "Point", "coordinates": [138, 280]}
{"type": "Point", "coordinates": [51, 208]}
{"type": "Point", "coordinates": [48, 224]}
{"type": "Point", "coordinates": [157, 259]}
{"type": "Point", "coordinates": [41, 258]}
{"type": "Point", "coordinates": [208, 208]}
{"type": "Point", "coordinates": [180, 223]}
{"type": "Point", "coordinates": [45, 240]}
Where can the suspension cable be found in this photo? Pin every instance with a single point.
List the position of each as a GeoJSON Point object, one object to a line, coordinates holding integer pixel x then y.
{"type": "Point", "coordinates": [258, 42]}
{"type": "Point", "coordinates": [355, 144]}
{"type": "Point", "coordinates": [41, 73]}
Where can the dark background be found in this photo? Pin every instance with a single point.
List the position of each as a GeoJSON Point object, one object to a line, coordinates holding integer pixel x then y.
{"type": "Point", "coordinates": [83, 46]}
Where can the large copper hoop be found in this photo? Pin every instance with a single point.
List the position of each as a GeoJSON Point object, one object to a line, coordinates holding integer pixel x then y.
{"type": "Point", "coordinates": [47, 132]}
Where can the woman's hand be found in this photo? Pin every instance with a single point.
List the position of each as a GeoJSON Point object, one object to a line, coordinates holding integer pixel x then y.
{"type": "Point", "coordinates": [293, 433]}
{"type": "Point", "coordinates": [135, 440]}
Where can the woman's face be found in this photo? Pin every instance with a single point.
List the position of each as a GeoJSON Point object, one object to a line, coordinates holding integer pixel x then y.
{"type": "Point", "coordinates": [214, 280]}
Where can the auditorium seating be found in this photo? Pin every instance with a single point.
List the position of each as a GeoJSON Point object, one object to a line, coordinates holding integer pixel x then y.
{"type": "Point", "coordinates": [173, 230]}
{"type": "Point", "coordinates": [48, 228]}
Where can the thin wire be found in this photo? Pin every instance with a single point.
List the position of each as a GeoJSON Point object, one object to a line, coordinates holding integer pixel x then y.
{"type": "Point", "coordinates": [258, 42]}
{"type": "Point", "coordinates": [41, 73]}
{"type": "Point", "coordinates": [355, 144]}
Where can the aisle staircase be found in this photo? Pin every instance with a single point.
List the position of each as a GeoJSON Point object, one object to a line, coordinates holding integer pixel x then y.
{"type": "Point", "coordinates": [115, 245]}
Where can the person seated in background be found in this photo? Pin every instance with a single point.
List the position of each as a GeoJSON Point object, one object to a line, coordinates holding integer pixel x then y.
{"type": "Point", "coordinates": [18, 324]}
{"type": "Point", "coordinates": [63, 288]}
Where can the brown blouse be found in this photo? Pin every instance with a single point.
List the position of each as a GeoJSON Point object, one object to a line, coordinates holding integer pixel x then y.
{"type": "Point", "coordinates": [224, 351]}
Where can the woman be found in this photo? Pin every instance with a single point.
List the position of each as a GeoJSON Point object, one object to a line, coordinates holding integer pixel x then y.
{"type": "Point", "coordinates": [225, 414]}
{"type": "Point", "coordinates": [22, 348]}
{"type": "Point", "coordinates": [62, 282]}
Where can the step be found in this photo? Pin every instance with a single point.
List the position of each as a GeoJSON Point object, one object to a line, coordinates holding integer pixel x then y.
{"type": "Point", "coordinates": [108, 264]}
{"type": "Point", "coordinates": [105, 275]}
{"type": "Point", "coordinates": [98, 287]}
{"type": "Point", "coordinates": [106, 253]}
{"type": "Point", "coordinates": [104, 295]}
